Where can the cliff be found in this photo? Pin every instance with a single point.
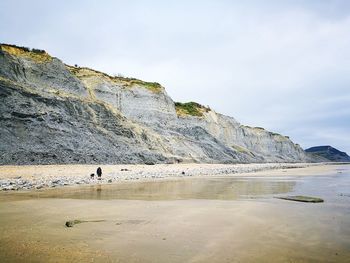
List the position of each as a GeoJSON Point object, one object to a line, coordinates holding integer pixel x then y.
{"type": "Point", "coordinates": [55, 113]}
{"type": "Point", "coordinates": [328, 153]}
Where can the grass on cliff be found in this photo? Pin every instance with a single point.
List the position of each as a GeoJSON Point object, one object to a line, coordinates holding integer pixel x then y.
{"type": "Point", "coordinates": [240, 148]}
{"type": "Point", "coordinates": [124, 81]}
{"type": "Point", "coordinates": [277, 136]}
{"type": "Point", "coordinates": [37, 55]}
{"type": "Point", "coordinates": [190, 108]}
{"type": "Point", "coordinates": [152, 86]}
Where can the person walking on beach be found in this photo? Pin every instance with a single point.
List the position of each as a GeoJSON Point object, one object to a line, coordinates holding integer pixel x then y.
{"type": "Point", "coordinates": [99, 172]}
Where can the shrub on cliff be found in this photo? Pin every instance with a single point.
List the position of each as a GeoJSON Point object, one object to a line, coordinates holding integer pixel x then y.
{"type": "Point", "coordinates": [190, 108]}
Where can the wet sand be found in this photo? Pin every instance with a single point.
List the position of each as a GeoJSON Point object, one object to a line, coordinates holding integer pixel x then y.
{"type": "Point", "coordinates": [204, 219]}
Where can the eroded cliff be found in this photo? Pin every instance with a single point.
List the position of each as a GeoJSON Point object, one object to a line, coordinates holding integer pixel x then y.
{"type": "Point", "coordinates": [55, 113]}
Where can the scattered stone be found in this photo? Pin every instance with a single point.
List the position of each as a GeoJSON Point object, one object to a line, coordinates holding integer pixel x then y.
{"type": "Point", "coordinates": [124, 170]}
{"type": "Point", "coordinates": [60, 180]}
{"type": "Point", "coordinates": [110, 181]}
{"type": "Point", "coordinates": [5, 183]}
{"type": "Point", "coordinates": [71, 223]}
{"type": "Point", "coordinates": [301, 198]}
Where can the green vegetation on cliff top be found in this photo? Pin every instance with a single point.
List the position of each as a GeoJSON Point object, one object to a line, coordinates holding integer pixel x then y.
{"type": "Point", "coordinates": [190, 108]}
{"type": "Point", "coordinates": [81, 72]}
{"type": "Point", "coordinates": [277, 136]}
{"type": "Point", "coordinates": [37, 55]}
{"type": "Point", "coordinates": [152, 86]}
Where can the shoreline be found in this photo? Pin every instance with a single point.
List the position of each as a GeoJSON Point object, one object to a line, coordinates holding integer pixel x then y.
{"type": "Point", "coordinates": [177, 219]}
{"type": "Point", "coordinates": [32, 177]}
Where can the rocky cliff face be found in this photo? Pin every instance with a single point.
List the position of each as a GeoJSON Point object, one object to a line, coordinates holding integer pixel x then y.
{"type": "Point", "coordinates": [55, 113]}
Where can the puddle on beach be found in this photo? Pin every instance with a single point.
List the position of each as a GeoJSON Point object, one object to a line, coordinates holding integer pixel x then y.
{"type": "Point", "coordinates": [211, 188]}
{"type": "Point", "coordinates": [219, 188]}
{"type": "Point", "coordinates": [221, 219]}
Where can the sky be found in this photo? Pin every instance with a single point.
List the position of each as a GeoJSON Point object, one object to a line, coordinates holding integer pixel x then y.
{"type": "Point", "coordinates": [281, 65]}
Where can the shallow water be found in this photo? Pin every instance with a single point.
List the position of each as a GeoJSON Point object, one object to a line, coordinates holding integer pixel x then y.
{"type": "Point", "coordinates": [221, 219]}
{"type": "Point", "coordinates": [333, 187]}
{"type": "Point", "coordinates": [218, 188]}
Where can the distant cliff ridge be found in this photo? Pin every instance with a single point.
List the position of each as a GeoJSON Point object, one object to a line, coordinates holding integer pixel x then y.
{"type": "Point", "coordinates": [55, 113]}
{"type": "Point", "coordinates": [329, 153]}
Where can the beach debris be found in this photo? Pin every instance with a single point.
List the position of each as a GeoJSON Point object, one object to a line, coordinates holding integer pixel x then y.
{"type": "Point", "coordinates": [183, 173]}
{"type": "Point", "coordinates": [124, 170]}
{"type": "Point", "coordinates": [71, 223]}
{"type": "Point", "coordinates": [302, 198]}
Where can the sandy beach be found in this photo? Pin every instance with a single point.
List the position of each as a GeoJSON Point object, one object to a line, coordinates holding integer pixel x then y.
{"type": "Point", "coordinates": [225, 218]}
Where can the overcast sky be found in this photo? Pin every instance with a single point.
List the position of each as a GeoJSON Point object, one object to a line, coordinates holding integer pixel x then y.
{"type": "Point", "coordinates": [282, 65]}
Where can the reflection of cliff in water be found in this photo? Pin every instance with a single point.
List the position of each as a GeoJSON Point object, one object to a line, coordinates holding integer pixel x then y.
{"type": "Point", "coordinates": [203, 188]}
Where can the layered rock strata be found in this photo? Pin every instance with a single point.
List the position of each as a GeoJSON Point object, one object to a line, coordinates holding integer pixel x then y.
{"type": "Point", "coordinates": [55, 113]}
